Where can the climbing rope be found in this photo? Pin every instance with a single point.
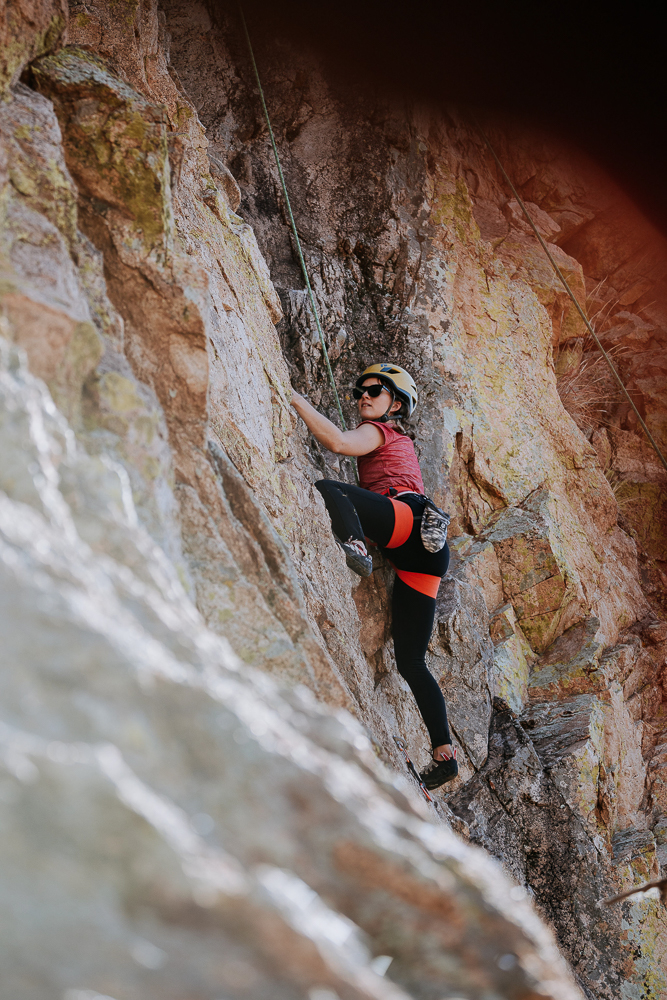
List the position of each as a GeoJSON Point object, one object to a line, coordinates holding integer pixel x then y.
{"type": "Point", "coordinates": [297, 241]}
{"type": "Point", "coordinates": [559, 273]}
{"type": "Point", "coordinates": [563, 281]}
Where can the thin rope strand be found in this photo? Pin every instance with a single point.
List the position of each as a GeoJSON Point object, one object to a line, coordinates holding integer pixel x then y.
{"type": "Point", "coordinates": [569, 291]}
{"type": "Point", "coordinates": [293, 224]}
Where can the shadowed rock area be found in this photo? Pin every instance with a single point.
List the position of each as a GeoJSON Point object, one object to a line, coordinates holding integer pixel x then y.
{"type": "Point", "coordinates": [201, 796]}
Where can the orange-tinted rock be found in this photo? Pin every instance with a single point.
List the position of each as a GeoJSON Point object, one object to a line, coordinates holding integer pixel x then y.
{"type": "Point", "coordinates": [523, 255]}
{"type": "Point", "coordinates": [545, 225]}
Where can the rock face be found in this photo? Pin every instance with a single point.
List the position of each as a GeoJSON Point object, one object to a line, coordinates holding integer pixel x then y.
{"type": "Point", "coordinates": [177, 823]}
{"type": "Point", "coordinates": [173, 825]}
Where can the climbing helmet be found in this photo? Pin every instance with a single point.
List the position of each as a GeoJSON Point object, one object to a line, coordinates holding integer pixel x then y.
{"type": "Point", "coordinates": [400, 381]}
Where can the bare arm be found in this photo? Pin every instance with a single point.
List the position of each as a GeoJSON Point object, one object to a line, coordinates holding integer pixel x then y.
{"type": "Point", "coordinates": [360, 441]}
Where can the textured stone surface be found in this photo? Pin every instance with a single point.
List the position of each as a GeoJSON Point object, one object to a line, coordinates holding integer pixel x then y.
{"type": "Point", "coordinates": [532, 579]}
{"type": "Point", "coordinates": [192, 324]}
{"type": "Point", "coordinates": [174, 825]}
{"type": "Point", "coordinates": [570, 665]}
{"type": "Point", "coordinates": [441, 299]}
{"type": "Point", "coordinates": [626, 294]}
{"type": "Point", "coordinates": [524, 808]}
{"type": "Point", "coordinates": [461, 658]}
{"type": "Point", "coordinates": [512, 658]}
{"type": "Point", "coordinates": [168, 327]}
{"type": "Point", "coordinates": [27, 30]}
{"type": "Point", "coordinates": [42, 292]}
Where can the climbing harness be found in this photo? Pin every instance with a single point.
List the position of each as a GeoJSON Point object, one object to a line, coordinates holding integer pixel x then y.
{"type": "Point", "coordinates": [403, 750]}
{"type": "Point", "coordinates": [297, 241]}
{"type": "Point", "coordinates": [564, 283]}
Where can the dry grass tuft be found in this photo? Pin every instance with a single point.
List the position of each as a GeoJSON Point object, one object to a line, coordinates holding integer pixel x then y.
{"type": "Point", "coordinates": [583, 391]}
{"type": "Point", "coordinates": [588, 390]}
{"type": "Point", "coordinates": [601, 316]}
{"type": "Point", "coordinates": [625, 496]}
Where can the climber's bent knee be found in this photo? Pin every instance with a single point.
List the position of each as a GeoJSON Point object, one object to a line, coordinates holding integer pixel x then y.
{"type": "Point", "coordinates": [324, 485]}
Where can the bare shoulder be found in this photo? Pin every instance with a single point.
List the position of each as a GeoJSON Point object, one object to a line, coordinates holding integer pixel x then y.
{"type": "Point", "coordinates": [362, 440]}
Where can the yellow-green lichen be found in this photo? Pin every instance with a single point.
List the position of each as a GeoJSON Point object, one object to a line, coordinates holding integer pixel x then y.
{"type": "Point", "coordinates": [452, 208]}
{"type": "Point", "coordinates": [645, 929]}
{"type": "Point", "coordinates": [125, 10]}
{"type": "Point", "coordinates": [22, 181]}
{"type": "Point", "coordinates": [116, 405]}
{"type": "Point", "coordinates": [512, 668]}
{"type": "Point", "coordinates": [120, 393]}
{"type": "Point", "coordinates": [81, 355]}
{"type": "Point", "coordinates": [183, 115]}
{"type": "Point", "coordinates": [82, 20]}
{"type": "Point", "coordinates": [119, 145]}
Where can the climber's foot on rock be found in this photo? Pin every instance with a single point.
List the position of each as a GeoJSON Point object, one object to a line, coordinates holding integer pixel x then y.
{"type": "Point", "coordinates": [357, 557]}
{"type": "Point", "coordinates": [439, 772]}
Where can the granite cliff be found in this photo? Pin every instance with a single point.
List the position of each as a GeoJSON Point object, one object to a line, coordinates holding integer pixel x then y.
{"type": "Point", "coordinates": [200, 791]}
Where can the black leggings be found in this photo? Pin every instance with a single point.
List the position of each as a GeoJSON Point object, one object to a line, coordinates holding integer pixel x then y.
{"type": "Point", "coordinates": [358, 513]}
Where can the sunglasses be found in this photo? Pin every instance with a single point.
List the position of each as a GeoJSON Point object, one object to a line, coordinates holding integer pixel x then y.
{"type": "Point", "coordinates": [372, 390]}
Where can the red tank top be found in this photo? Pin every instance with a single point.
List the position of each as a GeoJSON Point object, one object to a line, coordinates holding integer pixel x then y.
{"type": "Point", "coordinates": [394, 463]}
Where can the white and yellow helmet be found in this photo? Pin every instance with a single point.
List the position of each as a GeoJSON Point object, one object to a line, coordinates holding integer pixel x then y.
{"type": "Point", "coordinates": [398, 379]}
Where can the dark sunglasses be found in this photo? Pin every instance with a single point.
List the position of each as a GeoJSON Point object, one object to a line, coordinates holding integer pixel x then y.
{"type": "Point", "coordinates": [372, 390]}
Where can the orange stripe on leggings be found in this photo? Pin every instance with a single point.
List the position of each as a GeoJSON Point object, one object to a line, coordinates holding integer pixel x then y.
{"type": "Point", "coordinates": [422, 582]}
{"type": "Point", "coordinates": [403, 521]}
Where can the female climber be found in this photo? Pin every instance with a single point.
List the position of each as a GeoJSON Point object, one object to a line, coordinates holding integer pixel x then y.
{"type": "Point", "coordinates": [387, 508]}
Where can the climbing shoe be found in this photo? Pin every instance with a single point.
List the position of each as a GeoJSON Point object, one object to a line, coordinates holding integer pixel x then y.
{"type": "Point", "coordinates": [357, 557]}
{"type": "Point", "coordinates": [439, 772]}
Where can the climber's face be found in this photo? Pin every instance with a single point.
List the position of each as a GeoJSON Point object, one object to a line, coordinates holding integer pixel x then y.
{"type": "Point", "coordinates": [374, 407]}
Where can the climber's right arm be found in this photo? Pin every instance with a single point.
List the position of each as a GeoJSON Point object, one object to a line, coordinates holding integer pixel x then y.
{"type": "Point", "coordinates": [360, 441]}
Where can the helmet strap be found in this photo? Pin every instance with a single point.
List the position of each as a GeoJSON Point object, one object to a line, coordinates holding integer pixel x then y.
{"type": "Point", "coordinates": [386, 415]}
